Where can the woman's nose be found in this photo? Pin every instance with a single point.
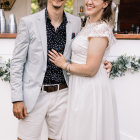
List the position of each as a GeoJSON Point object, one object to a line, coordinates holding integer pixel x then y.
{"type": "Point", "coordinates": [90, 1]}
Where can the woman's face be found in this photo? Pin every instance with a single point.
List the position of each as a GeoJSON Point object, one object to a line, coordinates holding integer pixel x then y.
{"type": "Point", "coordinates": [95, 7]}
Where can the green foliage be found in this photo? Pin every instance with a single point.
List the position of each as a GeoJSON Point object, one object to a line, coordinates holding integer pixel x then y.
{"type": "Point", "coordinates": [68, 6]}
{"type": "Point", "coordinates": [119, 67]}
{"type": "Point", "coordinates": [34, 6]}
{"type": "Point", "coordinates": [124, 63]}
{"type": "Point", "coordinates": [5, 71]}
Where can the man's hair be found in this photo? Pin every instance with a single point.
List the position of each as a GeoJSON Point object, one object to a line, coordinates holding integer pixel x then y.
{"type": "Point", "coordinates": [42, 4]}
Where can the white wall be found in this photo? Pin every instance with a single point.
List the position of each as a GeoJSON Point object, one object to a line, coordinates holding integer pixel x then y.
{"type": "Point", "coordinates": [127, 91]}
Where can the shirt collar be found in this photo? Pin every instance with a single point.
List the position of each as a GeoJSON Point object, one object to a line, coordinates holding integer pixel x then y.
{"type": "Point", "coordinates": [48, 18]}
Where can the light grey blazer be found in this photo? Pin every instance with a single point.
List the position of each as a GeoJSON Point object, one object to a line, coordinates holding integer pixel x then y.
{"type": "Point", "coordinates": [29, 61]}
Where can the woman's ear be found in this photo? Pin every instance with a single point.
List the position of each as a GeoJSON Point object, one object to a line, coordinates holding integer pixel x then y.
{"type": "Point", "coordinates": [105, 4]}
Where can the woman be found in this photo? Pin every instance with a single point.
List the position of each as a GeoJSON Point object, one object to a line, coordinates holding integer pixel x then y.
{"type": "Point", "coordinates": [92, 113]}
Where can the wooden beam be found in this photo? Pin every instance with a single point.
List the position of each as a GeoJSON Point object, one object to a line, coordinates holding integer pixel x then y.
{"type": "Point", "coordinates": [118, 36]}
{"type": "Point", "coordinates": [7, 35]}
{"type": "Point", "coordinates": [127, 36]}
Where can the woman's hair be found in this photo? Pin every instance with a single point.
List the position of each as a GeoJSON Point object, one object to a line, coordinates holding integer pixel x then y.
{"type": "Point", "coordinates": [108, 13]}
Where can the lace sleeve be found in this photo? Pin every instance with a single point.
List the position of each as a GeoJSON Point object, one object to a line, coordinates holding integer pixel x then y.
{"type": "Point", "coordinates": [103, 30]}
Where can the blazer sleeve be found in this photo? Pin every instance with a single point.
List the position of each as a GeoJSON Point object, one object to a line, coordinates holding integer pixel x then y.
{"type": "Point", "coordinates": [18, 61]}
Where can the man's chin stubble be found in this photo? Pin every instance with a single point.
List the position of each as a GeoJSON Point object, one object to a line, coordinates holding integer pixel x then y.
{"type": "Point", "coordinates": [57, 7]}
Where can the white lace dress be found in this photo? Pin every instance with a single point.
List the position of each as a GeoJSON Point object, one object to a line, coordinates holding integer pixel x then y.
{"type": "Point", "coordinates": [92, 112]}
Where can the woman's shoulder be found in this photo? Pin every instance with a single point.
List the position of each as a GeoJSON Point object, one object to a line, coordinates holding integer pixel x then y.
{"type": "Point", "coordinates": [101, 29]}
{"type": "Point", "coordinates": [101, 26]}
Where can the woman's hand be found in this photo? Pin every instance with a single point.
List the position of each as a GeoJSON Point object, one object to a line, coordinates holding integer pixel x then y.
{"type": "Point", "coordinates": [108, 67]}
{"type": "Point", "coordinates": [58, 59]}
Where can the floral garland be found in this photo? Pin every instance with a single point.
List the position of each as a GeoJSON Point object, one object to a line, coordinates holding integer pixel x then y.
{"type": "Point", "coordinates": [119, 67]}
{"type": "Point", "coordinates": [5, 71]}
{"type": "Point", "coordinates": [124, 63]}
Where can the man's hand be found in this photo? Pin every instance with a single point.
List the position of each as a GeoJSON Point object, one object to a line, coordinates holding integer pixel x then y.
{"type": "Point", "coordinates": [108, 67]}
{"type": "Point", "coordinates": [19, 110]}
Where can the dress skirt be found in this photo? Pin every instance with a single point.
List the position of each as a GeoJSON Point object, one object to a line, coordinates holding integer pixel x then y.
{"type": "Point", "coordinates": [92, 109]}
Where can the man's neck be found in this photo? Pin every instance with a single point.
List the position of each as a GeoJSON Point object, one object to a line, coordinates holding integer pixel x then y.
{"type": "Point", "coordinates": [55, 15]}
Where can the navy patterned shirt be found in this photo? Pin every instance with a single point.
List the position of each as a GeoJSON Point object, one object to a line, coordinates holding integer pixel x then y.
{"type": "Point", "coordinates": [55, 40]}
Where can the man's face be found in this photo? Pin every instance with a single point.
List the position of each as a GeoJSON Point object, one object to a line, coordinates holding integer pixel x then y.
{"type": "Point", "coordinates": [57, 3]}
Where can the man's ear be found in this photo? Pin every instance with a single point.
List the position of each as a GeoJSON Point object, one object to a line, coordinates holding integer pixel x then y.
{"type": "Point", "coordinates": [105, 4]}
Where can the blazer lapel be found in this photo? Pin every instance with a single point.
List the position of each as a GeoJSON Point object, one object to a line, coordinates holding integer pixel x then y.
{"type": "Point", "coordinates": [68, 35]}
{"type": "Point", "coordinates": [43, 33]}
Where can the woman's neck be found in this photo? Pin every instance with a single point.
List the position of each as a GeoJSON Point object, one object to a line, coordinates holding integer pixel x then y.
{"type": "Point", "coordinates": [95, 18]}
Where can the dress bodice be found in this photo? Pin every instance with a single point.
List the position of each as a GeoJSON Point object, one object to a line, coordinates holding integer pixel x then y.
{"type": "Point", "coordinates": [80, 43]}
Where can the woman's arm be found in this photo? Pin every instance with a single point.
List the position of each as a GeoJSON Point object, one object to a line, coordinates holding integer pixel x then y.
{"type": "Point", "coordinates": [96, 50]}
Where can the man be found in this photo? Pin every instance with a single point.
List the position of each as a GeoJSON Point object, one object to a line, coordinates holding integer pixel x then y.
{"type": "Point", "coordinates": [39, 88]}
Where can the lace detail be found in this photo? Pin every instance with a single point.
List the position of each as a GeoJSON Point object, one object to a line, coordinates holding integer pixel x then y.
{"type": "Point", "coordinates": [99, 29]}
{"type": "Point", "coordinates": [80, 43]}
